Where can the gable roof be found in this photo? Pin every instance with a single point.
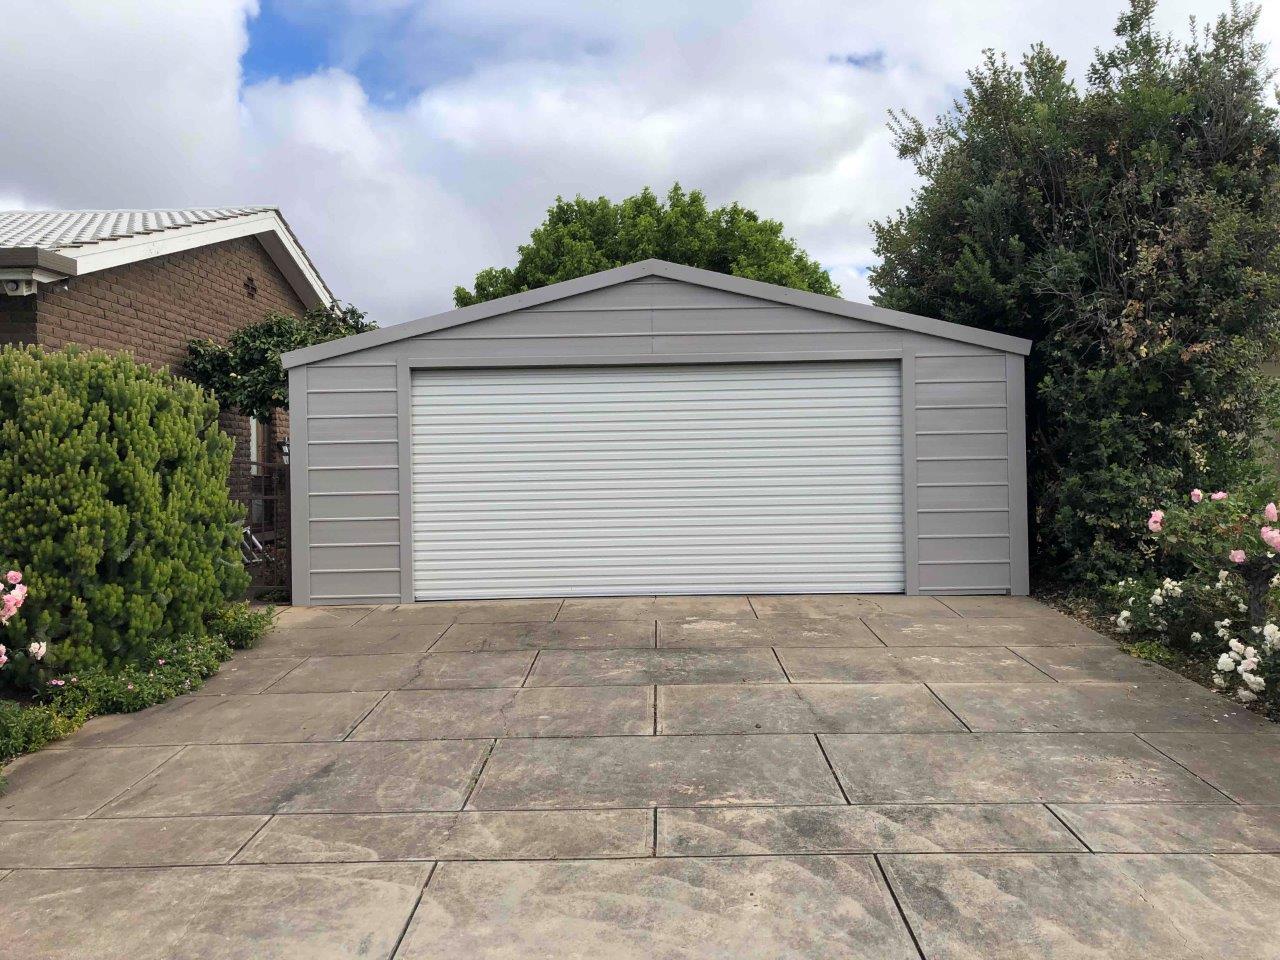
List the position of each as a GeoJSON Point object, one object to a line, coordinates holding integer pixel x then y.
{"type": "Point", "coordinates": [670, 271]}
{"type": "Point", "coordinates": [50, 245]}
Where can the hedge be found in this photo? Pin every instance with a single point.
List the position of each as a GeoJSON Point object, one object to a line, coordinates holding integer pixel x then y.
{"type": "Point", "coordinates": [113, 486]}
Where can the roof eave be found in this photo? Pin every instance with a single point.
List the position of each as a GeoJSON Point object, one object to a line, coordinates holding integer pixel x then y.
{"type": "Point", "coordinates": [37, 258]}
{"type": "Point", "coordinates": [267, 225]}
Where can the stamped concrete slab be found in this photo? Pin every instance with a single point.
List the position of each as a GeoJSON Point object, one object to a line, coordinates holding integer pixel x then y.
{"type": "Point", "coordinates": [408, 615]}
{"type": "Point", "coordinates": [802, 708]}
{"type": "Point", "coordinates": [869, 828]}
{"type": "Point", "coordinates": [487, 835]}
{"type": "Point", "coordinates": [1174, 827]}
{"type": "Point", "coordinates": [1246, 767]}
{"type": "Point", "coordinates": [247, 675]}
{"type": "Point", "coordinates": [654, 771]}
{"type": "Point", "coordinates": [256, 718]}
{"type": "Point", "coordinates": [448, 671]}
{"type": "Point", "coordinates": [848, 605]}
{"type": "Point", "coordinates": [414, 671]}
{"type": "Point", "coordinates": [708, 632]}
{"type": "Point", "coordinates": [907, 665]}
{"type": "Point", "coordinates": [1095, 664]}
{"type": "Point", "coordinates": [386, 671]}
{"type": "Point", "coordinates": [347, 641]}
{"type": "Point", "coordinates": [558, 635]}
{"type": "Point", "coordinates": [1089, 707]}
{"type": "Point", "coordinates": [582, 668]}
{"type": "Point", "coordinates": [319, 912]}
{"type": "Point", "coordinates": [73, 783]}
{"type": "Point", "coordinates": [490, 611]}
{"type": "Point", "coordinates": [307, 778]}
{"type": "Point", "coordinates": [1008, 768]}
{"type": "Point", "coordinates": [549, 712]}
{"type": "Point", "coordinates": [152, 842]}
{"type": "Point", "coordinates": [1087, 907]}
{"type": "Point", "coordinates": [313, 617]}
{"type": "Point", "coordinates": [985, 632]}
{"type": "Point", "coordinates": [654, 608]}
{"type": "Point", "coordinates": [997, 606]}
{"type": "Point", "coordinates": [819, 908]}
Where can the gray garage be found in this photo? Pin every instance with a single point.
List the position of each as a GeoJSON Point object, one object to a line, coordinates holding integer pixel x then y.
{"type": "Point", "coordinates": [658, 429]}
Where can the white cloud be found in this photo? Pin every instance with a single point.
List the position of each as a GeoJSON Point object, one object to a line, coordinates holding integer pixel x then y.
{"type": "Point", "coordinates": [142, 103]}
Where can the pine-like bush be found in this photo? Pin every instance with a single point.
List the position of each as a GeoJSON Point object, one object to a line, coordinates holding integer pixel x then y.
{"type": "Point", "coordinates": [114, 504]}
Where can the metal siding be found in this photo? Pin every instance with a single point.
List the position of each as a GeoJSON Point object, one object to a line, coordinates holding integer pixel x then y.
{"type": "Point", "coordinates": [962, 421]}
{"type": "Point", "coordinates": [347, 480]}
{"type": "Point", "coordinates": [963, 469]}
{"type": "Point", "coordinates": [689, 479]}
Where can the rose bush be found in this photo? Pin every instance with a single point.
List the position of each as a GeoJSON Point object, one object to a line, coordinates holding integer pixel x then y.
{"type": "Point", "coordinates": [1226, 547]}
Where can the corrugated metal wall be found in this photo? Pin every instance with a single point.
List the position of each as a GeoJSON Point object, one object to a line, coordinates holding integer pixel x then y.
{"type": "Point", "coordinates": [964, 467]}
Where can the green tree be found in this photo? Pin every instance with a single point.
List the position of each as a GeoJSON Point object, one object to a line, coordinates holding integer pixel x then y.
{"type": "Point", "coordinates": [582, 236]}
{"type": "Point", "coordinates": [1132, 230]}
{"type": "Point", "coordinates": [246, 373]}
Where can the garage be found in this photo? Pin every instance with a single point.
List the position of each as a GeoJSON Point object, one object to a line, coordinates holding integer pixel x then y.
{"type": "Point", "coordinates": [657, 429]}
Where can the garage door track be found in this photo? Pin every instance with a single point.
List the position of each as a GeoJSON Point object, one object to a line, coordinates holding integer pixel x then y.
{"type": "Point", "coordinates": [690, 777]}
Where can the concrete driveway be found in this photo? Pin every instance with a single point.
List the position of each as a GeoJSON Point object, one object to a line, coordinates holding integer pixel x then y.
{"type": "Point", "coordinates": [764, 777]}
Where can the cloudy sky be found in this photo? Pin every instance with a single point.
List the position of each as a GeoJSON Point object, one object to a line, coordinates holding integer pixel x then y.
{"type": "Point", "coordinates": [412, 142]}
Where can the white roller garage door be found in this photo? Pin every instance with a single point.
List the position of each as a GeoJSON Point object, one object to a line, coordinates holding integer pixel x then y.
{"type": "Point", "coordinates": [753, 478]}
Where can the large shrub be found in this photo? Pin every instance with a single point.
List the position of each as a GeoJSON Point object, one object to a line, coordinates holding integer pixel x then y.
{"type": "Point", "coordinates": [1131, 227]}
{"type": "Point", "coordinates": [113, 490]}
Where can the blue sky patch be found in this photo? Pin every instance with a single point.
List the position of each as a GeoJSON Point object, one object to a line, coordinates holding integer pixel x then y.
{"type": "Point", "coordinates": [872, 60]}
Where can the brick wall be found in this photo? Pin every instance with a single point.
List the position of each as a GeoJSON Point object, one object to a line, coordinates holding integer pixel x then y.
{"type": "Point", "coordinates": [153, 308]}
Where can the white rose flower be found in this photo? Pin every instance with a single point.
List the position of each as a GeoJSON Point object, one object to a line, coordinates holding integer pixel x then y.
{"type": "Point", "coordinates": [1247, 666]}
{"type": "Point", "coordinates": [1246, 696]}
{"type": "Point", "coordinates": [37, 650]}
{"type": "Point", "coordinates": [1196, 637]}
{"type": "Point", "coordinates": [1236, 646]}
{"type": "Point", "coordinates": [1219, 681]}
{"type": "Point", "coordinates": [1271, 632]}
{"type": "Point", "coordinates": [1255, 683]}
{"type": "Point", "coordinates": [1225, 663]}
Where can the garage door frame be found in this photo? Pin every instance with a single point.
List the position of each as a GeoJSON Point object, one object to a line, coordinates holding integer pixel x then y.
{"type": "Point", "coordinates": [406, 366]}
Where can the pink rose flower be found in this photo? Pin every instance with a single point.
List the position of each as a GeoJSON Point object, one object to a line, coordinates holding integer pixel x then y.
{"type": "Point", "coordinates": [1270, 512]}
{"type": "Point", "coordinates": [1271, 537]}
{"type": "Point", "coordinates": [1220, 495]}
{"type": "Point", "coordinates": [1155, 523]}
{"type": "Point", "coordinates": [1197, 495]}
{"type": "Point", "coordinates": [1236, 556]}
{"type": "Point", "coordinates": [13, 576]}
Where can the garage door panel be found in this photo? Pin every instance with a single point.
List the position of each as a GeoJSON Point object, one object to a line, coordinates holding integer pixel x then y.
{"type": "Point", "coordinates": [691, 479]}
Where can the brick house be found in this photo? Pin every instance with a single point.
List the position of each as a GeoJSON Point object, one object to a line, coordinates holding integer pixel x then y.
{"type": "Point", "coordinates": [150, 281]}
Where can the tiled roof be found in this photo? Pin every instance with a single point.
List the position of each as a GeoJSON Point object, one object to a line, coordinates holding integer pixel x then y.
{"type": "Point", "coordinates": [70, 229]}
